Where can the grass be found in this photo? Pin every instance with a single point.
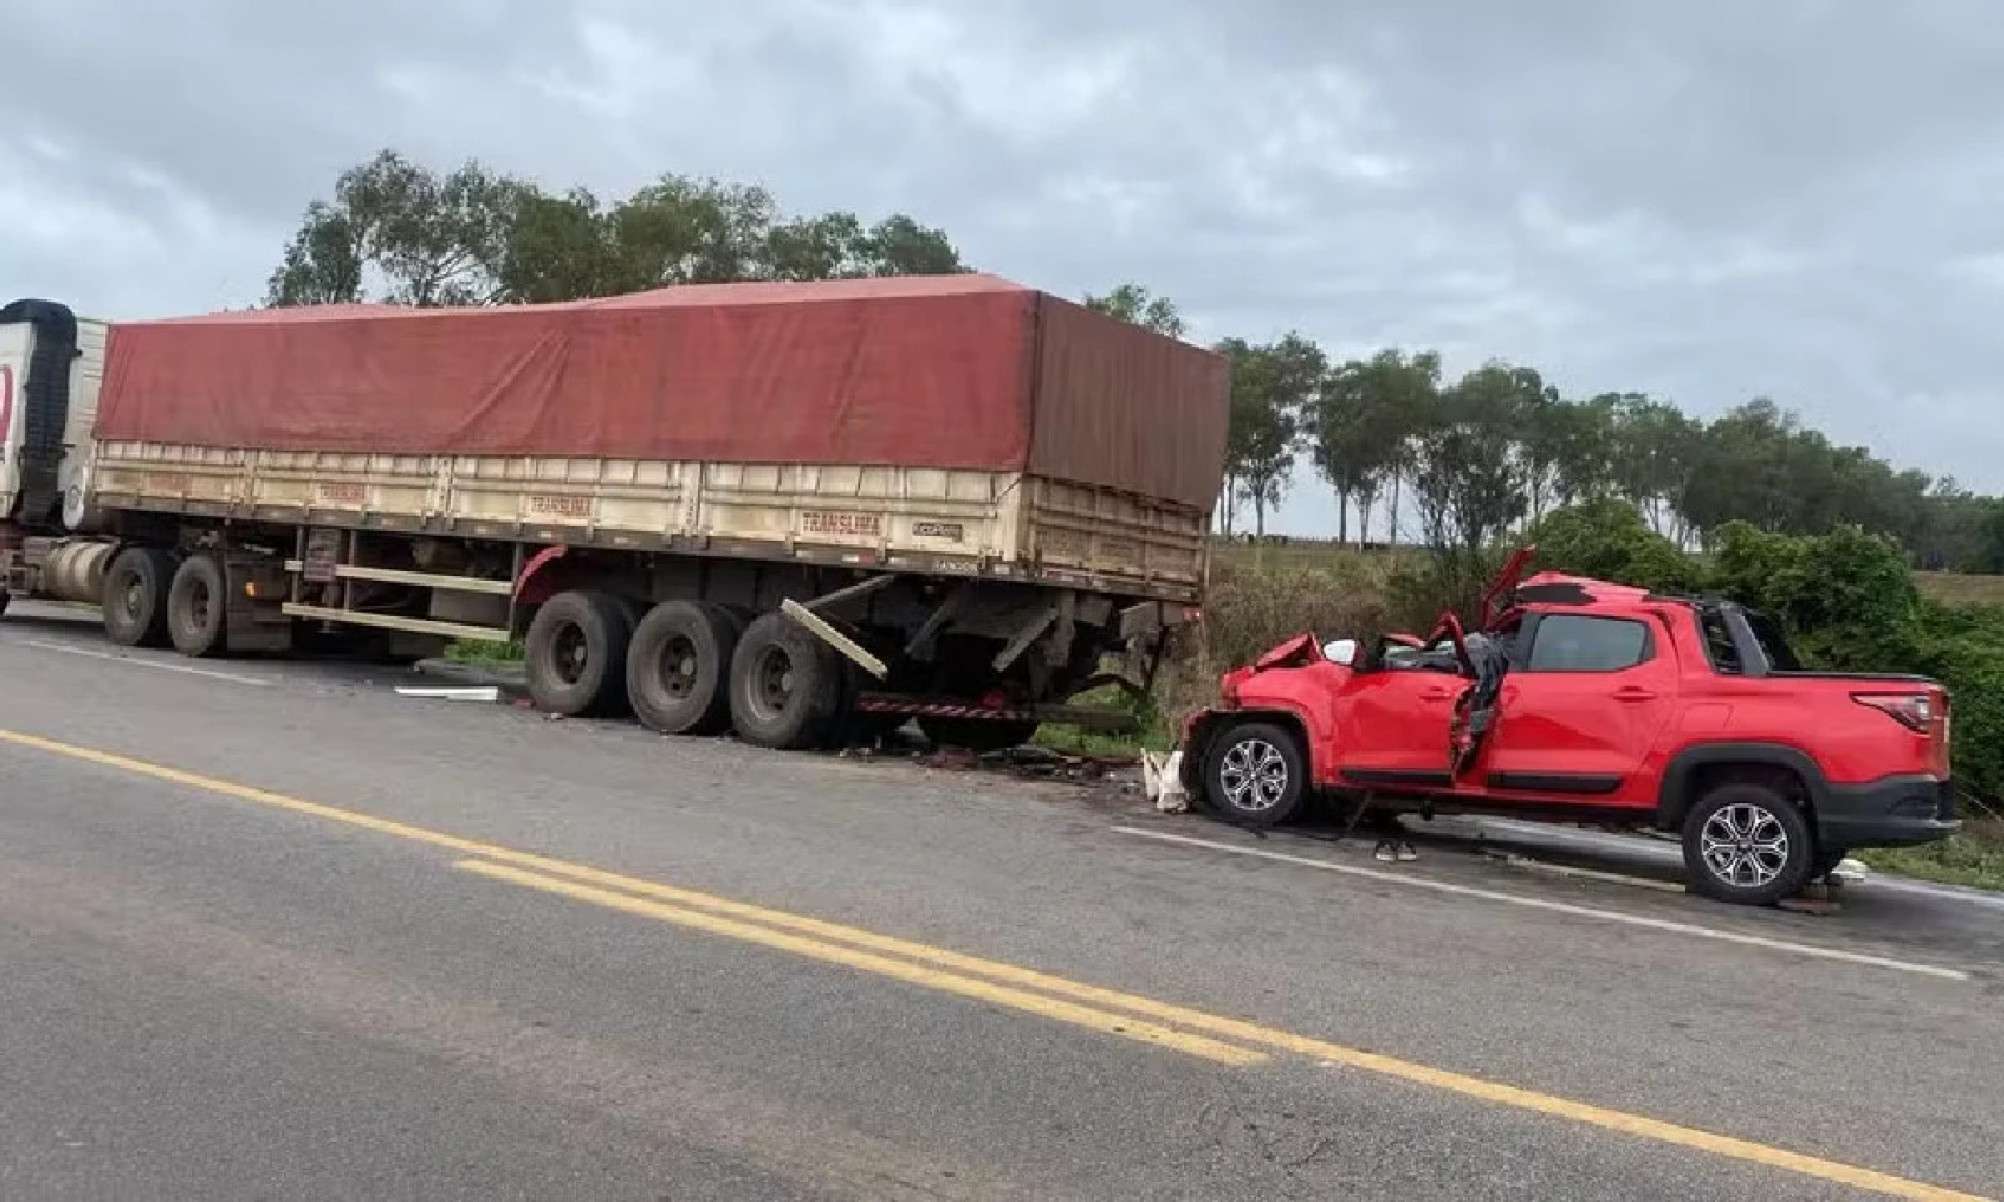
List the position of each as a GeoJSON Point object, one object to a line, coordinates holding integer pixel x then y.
{"type": "Point", "coordinates": [1974, 858]}
{"type": "Point", "coordinates": [1155, 732]}
{"type": "Point", "coordinates": [1960, 588]}
{"type": "Point", "coordinates": [483, 651]}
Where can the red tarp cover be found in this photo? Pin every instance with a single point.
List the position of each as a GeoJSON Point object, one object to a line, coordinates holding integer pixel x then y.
{"type": "Point", "coordinates": [928, 371]}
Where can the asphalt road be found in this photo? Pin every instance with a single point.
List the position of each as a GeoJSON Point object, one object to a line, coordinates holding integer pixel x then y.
{"type": "Point", "coordinates": [272, 931]}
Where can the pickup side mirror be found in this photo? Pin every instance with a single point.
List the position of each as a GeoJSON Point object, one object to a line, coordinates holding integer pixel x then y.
{"type": "Point", "coordinates": [1340, 651]}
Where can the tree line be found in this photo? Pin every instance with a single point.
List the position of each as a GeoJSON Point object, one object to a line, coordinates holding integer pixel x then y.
{"type": "Point", "coordinates": [397, 231]}
{"type": "Point", "coordinates": [1457, 464]}
{"type": "Point", "coordinates": [1451, 463]}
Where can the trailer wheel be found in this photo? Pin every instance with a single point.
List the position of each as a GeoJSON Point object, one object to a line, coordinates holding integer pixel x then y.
{"type": "Point", "coordinates": [135, 597]}
{"type": "Point", "coordinates": [1254, 774]}
{"type": "Point", "coordinates": [977, 734]}
{"type": "Point", "coordinates": [576, 653]}
{"type": "Point", "coordinates": [196, 602]}
{"type": "Point", "coordinates": [679, 667]}
{"type": "Point", "coordinates": [786, 685]}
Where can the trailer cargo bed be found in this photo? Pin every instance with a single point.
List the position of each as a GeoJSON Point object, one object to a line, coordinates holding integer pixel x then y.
{"type": "Point", "coordinates": [1005, 525]}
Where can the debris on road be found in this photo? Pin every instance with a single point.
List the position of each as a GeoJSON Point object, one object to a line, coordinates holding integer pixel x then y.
{"type": "Point", "coordinates": [1162, 781]}
{"type": "Point", "coordinates": [487, 692]}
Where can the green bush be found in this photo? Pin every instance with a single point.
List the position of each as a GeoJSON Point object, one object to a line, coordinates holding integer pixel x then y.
{"type": "Point", "coordinates": [1608, 540]}
{"type": "Point", "coordinates": [1847, 598]}
{"type": "Point", "coordinates": [1249, 611]}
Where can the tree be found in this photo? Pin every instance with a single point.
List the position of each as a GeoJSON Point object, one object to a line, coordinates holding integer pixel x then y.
{"type": "Point", "coordinates": [1467, 480]}
{"type": "Point", "coordinates": [898, 245]}
{"type": "Point", "coordinates": [434, 240]}
{"type": "Point", "coordinates": [1653, 451]}
{"type": "Point", "coordinates": [679, 230]}
{"type": "Point", "coordinates": [830, 246]}
{"type": "Point", "coordinates": [1135, 304]}
{"type": "Point", "coordinates": [1607, 539]}
{"type": "Point", "coordinates": [560, 249]}
{"type": "Point", "coordinates": [474, 237]}
{"type": "Point", "coordinates": [1270, 384]}
{"type": "Point", "coordinates": [1363, 416]}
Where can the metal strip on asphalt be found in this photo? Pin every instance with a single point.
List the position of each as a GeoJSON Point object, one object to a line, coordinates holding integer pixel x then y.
{"type": "Point", "coordinates": [627, 893]}
{"type": "Point", "coordinates": [1669, 925]}
{"type": "Point", "coordinates": [1666, 851]}
{"type": "Point", "coordinates": [162, 665]}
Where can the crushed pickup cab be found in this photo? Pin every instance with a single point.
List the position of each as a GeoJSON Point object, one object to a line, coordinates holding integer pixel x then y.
{"type": "Point", "coordinates": [1578, 700]}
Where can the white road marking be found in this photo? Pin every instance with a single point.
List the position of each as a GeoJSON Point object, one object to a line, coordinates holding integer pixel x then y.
{"type": "Point", "coordinates": [163, 665]}
{"type": "Point", "coordinates": [1536, 903]}
{"type": "Point", "coordinates": [1514, 860]}
{"type": "Point", "coordinates": [1667, 852]}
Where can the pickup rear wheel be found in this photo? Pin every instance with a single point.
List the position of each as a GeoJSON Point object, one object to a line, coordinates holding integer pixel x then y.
{"type": "Point", "coordinates": [576, 653]}
{"type": "Point", "coordinates": [1748, 844]}
{"type": "Point", "coordinates": [1255, 775]}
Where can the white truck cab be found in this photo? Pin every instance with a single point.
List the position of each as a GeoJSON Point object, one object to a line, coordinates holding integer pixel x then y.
{"type": "Point", "coordinates": [46, 418]}
{"type": "Point", "coordinates": [51, 369]}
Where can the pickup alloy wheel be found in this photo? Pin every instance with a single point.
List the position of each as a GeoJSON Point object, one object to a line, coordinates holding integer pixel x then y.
{"type": "Point", "coordinates": [1255, 774]}
{"type": "Point", "coordinates": [1746, 843]}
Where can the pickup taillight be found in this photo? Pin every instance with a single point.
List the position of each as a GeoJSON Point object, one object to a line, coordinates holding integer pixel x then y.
{"type": "Point", "coordinates": [1915, 711]}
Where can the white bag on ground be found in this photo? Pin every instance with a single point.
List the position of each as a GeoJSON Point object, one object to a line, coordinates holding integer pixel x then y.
{"type": "Point", "coordinates": [1162, 781]}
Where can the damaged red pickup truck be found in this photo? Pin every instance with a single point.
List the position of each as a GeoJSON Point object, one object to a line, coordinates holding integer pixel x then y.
{"type": "Point", "coordinates": [1577, 700]}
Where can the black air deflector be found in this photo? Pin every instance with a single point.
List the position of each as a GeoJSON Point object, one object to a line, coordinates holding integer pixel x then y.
{"type": "Point", "coordinates": [1562, 593]}
{"type": "Point", "coordinates": [45, 403]}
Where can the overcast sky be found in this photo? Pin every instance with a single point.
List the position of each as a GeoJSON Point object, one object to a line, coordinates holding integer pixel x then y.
{"type": "Point", "coordinates": [1703, 202]}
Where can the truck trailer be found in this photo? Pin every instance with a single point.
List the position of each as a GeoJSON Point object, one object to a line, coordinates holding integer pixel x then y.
{"type": "Point", "coordinates": [805, 512]}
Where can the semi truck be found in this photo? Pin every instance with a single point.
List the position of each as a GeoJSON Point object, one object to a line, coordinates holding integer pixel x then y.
{"type": "Point", "coordinates": [798, 511]}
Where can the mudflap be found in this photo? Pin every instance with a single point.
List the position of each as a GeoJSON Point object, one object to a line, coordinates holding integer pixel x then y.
{"type": "Point", "coordinates": [254, 622]}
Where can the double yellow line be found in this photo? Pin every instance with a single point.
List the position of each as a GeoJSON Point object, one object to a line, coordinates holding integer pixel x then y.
{"type": "Point", "coordinates": [1212, 1037]}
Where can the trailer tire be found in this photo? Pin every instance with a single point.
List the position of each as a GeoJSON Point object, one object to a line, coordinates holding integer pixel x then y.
{"type": "Point", "coordinates": [196, 604]}
{"type": "Point", "coordinates": [978, 734]}
{"type": "Point", "coordinates": [678, 669]}
{"type": "Point", "coordinates": [786, 685]}
{"type": "Point", "coordinates": [576, 654]}
{"type": "Point", "coordinates": [135, 597]}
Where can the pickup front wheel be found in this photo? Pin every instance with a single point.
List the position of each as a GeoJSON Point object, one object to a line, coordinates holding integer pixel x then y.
{"type": "Point", "coordinates": [1748, 844]}
{"type": "Point", "coordinates": [1255, 774]}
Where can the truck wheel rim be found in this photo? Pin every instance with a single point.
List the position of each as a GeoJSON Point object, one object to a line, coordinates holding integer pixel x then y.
{"type": "Point", "coordinates": [772, 682]}
{"type": "Point", "coordinates": [677, 667]}
{"type": "Point", "coordinates": [1744, 845]}
{"type": "Point", "coordinates": [571, 651]}
{"type": "Point", "coordinates": [1254, 775]}
{"type": "Point", "coordinates": [132, 596]}
{"type": "Point", "coordinates": [198, 604]}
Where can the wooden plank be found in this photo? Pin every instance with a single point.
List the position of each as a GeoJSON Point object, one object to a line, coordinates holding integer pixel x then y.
{"type": "Point", "coordinates": [827, 633]}
{"type": "Point", "coordinates": [451, 630]}
{"type": "Point", "coordinates": [462, 584]}
{"type": "Point", "coordinates": [860, 589]}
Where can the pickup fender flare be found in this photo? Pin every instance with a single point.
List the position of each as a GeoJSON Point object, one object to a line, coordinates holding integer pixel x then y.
{"type": "Point", "coordinates": [1673, 792]}
{"type": "Point", "coordinates": [1205, 724]}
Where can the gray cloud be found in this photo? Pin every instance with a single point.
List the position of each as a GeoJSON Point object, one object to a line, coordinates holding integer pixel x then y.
{"type": "Point", "coordinates": [1705, 202]}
